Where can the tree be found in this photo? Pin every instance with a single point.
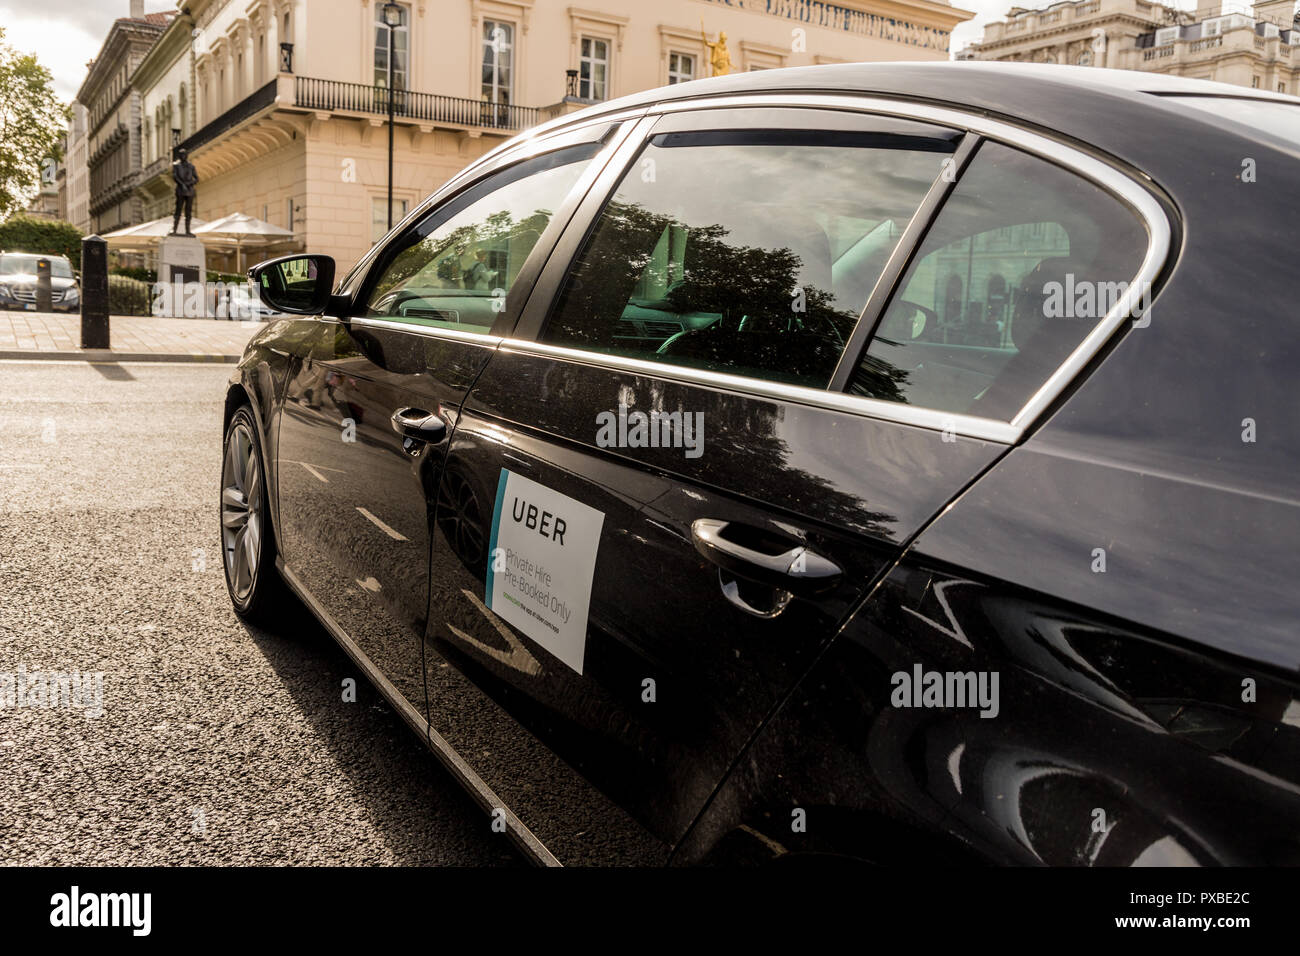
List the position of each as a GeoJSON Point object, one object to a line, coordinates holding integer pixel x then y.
{"type": "Point", "coordinates": [31, 126]}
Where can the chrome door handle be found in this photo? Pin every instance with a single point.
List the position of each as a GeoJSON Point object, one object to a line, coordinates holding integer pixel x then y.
{"type": "Point", "coordinates": [797, 570]}
{"type": "Point", "coordinates": [418, 425]}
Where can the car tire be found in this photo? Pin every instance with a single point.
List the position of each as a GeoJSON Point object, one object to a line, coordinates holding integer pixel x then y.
{"type": "Point", "coordinates": [248, 551]}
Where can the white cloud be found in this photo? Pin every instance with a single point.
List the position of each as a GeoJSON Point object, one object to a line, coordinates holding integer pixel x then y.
{"type": "Point", "coordinates": [65, 34]}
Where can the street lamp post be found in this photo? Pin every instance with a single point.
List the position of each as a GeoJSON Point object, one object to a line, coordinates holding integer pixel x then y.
{"type": "Point", "coordinates": [393, 20]}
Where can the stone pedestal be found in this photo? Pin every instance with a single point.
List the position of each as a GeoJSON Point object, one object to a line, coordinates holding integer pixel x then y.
{"type": "Point", "coordinates": [181, 261]}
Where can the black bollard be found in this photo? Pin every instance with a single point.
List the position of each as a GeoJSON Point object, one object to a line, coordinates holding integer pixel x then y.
{"type": "Point", "coordinates": [44, 288]}
{"type": "Point", "coordinates": [94, 293]}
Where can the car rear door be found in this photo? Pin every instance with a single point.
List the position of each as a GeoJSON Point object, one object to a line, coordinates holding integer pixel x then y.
{"type": "Point", "coordinates": [654, 514]}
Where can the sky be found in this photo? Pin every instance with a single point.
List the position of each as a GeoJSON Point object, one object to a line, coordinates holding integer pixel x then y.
{"type": "Point", "coordinates": [65, 34]}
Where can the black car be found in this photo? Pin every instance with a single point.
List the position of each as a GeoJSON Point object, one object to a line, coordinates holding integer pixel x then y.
{"type": "Point", "coordinates": [18, 283]}
{"type": "Point", "coordinates": [889, 462]}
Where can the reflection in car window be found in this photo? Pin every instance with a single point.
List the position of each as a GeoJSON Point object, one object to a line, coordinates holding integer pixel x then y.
{"type": "Point", "coordinates": [459, 263]}
{"type": "Point", "coordinates": [1022, 263]}
{"type": "Point", "coordinates": [751, 253]}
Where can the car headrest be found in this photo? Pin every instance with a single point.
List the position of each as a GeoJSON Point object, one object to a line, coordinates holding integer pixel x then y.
{"type": "Point", "coordinates": [1030, 318]}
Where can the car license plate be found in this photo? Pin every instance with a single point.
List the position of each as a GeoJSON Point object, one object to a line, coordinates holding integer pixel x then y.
{"type": "Point", "coordinates": [31, 306]}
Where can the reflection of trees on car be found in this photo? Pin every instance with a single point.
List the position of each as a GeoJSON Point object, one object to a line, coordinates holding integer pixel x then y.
{"type": "Point", "coordinates": [650, 283]}
{"type": "Point", "coordinates": [733, 281]}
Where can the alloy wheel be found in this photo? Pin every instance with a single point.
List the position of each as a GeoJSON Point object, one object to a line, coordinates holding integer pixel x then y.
{"type": "Point", "coordinates": [241, 511]}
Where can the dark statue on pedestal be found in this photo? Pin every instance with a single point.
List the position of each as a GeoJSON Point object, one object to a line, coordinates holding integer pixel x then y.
{"type": "Point", "coordinates": [186, 177]}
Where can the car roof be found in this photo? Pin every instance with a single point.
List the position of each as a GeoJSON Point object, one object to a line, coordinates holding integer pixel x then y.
{"type": "Point", "coordinates": [922, 75]}
{"type": "Point", "coordinates": [1099, 105]}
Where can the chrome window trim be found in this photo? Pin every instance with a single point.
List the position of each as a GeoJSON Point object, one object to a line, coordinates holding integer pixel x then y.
{"type": "Point", "coordinates": [1142, 202]}
{"type": "Point", "coordinates": [458, 335]}
{"type": "Point", "coordinates": [516, 149]}
{"type": "Point", "coordinates": [521, 147]}
{"type": "Point", "coordinates": [1152, 214]}
{"type": "Point", "coordinates": [965, 425]}
{"type": "Point", "coordinates": [968, 426]}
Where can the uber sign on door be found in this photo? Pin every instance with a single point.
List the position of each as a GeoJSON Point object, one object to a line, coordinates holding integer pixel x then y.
{"type": "Point", "coordinates": [542, 559]}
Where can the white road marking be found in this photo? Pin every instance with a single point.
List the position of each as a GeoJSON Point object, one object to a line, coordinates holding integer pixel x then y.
{"type": "Point", "coordinates": [396, 536]}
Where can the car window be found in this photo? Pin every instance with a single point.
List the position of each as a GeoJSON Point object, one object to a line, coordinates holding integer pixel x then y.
{"type": "Point", "coordinates": [751, 253]}
{"type": "Point", "coordinates": [1021, 264]}
{"type": "Point", "coordinates": [13, 264]}
{"type": "Point", "coordinates": [454, 269]}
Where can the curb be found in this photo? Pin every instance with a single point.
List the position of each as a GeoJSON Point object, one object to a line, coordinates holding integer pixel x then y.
{"type": "Point", "coordinates": [108, 355]}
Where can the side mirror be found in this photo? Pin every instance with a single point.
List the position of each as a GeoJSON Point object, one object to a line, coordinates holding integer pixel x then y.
{"type": "Point", "coordinates": [298, 285]}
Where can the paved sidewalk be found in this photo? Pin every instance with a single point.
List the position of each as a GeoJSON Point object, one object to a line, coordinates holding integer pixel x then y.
{"type": "Point", "coordinates": [133, 338]}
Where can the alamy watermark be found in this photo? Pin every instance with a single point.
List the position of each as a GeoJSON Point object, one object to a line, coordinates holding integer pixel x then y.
{"type": "Point", "coordinates": [1084, 299]}
{"type": "Point", "coordinates": [51, 689]}
{"type": "Point", "coordinates": [654, 429]}
{"type": "Point", "coordinates": [946, 690]}
{"type": "Point", "coordinates": [197, 300]}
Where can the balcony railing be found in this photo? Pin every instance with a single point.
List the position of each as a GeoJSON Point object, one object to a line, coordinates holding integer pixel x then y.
{"type": "Point", "coordinates": [241, 111]}
{"type": "Point", "coordinates": [316, 94]}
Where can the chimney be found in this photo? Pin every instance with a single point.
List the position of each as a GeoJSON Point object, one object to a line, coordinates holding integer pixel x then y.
{"type": "Point", "coordinates": [137, 9]}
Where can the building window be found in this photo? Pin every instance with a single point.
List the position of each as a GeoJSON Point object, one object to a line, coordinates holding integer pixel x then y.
{"type": "Point", "coordinates": [681, 68]}
{"type": "Point", "coordinates": [288, 214]}
{"type": "Point", "coordinates": [379, 215]}
{"type": "Point", "coordinates": [1254, 82]}
{"type": "Point", "coordinates": [593, 69]}
{"type": "Point", "coordinates": [401, 46]}
{"type": "Point", "coordinates": [498, 61]}
{"type": "Point", "coordinates": [1084, 58]}
{"type": "Point", "coordinates": [1281, 87]}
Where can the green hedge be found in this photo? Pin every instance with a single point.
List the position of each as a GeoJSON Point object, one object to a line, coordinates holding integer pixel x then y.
{"type": "Point", "coordinates": [49, 237]}
{"type": "Point", "coordinates": [136, 272]}
{"type": "Point", "coordinates": [127, 296]}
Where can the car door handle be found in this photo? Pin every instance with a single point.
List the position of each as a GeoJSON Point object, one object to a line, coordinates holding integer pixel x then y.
{"type": "Point", "coordinates": [797, 570]}
{"type": "Point", "coordinates": [419, 425]}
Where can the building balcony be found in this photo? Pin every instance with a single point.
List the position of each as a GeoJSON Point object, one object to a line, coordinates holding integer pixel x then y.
{"type": "Point", "coordinates": [335, 96]}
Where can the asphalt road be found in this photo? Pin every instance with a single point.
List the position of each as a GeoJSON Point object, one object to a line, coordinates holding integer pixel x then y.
{"type": "Point", "coordinates": [218, 743]}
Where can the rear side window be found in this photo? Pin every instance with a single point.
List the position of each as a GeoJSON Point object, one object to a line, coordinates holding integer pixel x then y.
{"type": "Point", "coordinates": [1023, 261]}
{"type": "Point", "coordinates": [746, 252]}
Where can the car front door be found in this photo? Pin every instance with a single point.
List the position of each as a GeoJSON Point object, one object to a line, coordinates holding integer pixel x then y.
{"type": "Point", "coordinates": [653, 513]}
{"type": "Point", "coordinates": [375, 396]}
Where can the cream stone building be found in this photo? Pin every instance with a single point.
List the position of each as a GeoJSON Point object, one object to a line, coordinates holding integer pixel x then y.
{"type": "Point", "coordinates": [282, 104]}
{"type": "Point", "coordinates": [76, 170]}
{"type": "Point", "coordinates": [1229, 42]}
{"type": "Point", "coordinates": [112, 102]}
